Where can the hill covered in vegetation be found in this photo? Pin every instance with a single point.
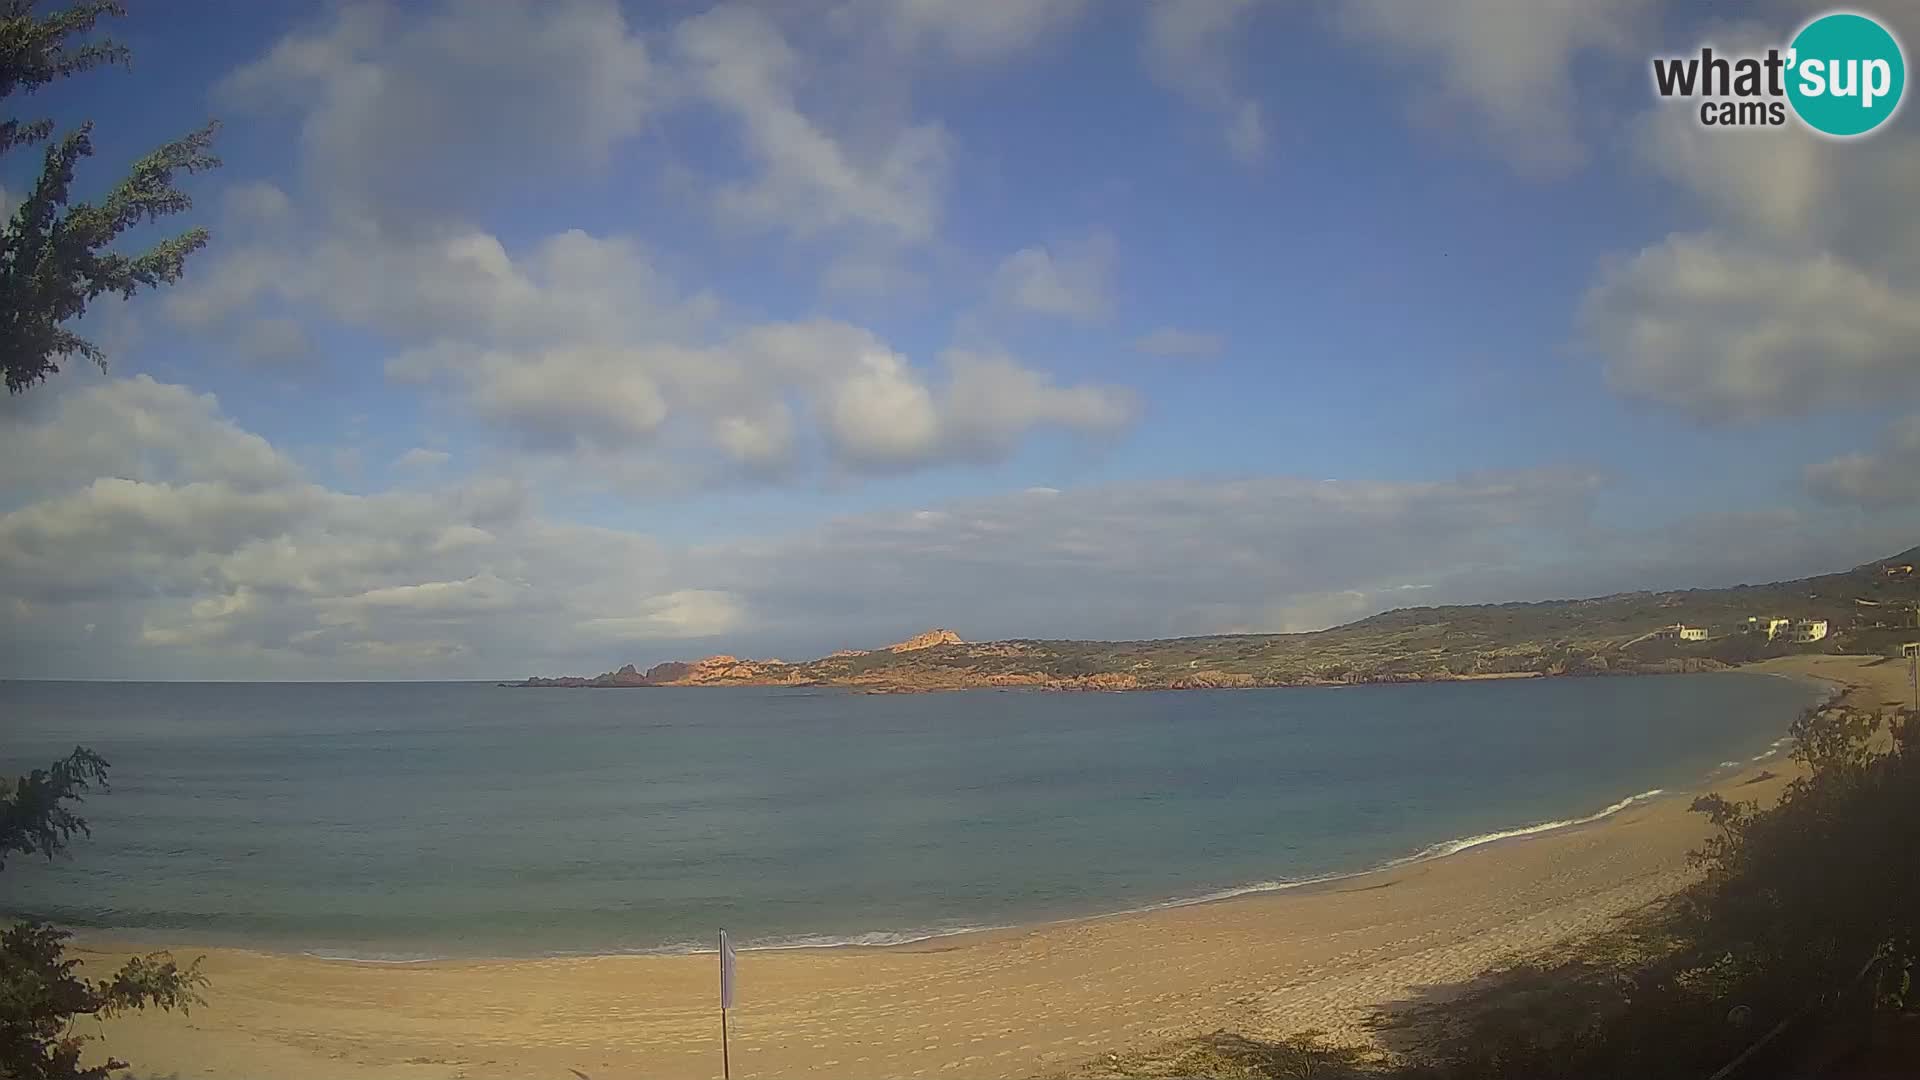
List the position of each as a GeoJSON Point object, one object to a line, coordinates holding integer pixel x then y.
{"type": "Point", "coordinates": [1870, 608]}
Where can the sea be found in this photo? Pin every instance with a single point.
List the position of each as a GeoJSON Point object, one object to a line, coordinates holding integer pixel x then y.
{"type": "Point", "coordinates": [399, 822]}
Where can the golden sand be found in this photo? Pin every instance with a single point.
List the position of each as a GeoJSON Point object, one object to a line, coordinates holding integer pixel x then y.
{"type": "Point", "coordinates": [1003, 1003]}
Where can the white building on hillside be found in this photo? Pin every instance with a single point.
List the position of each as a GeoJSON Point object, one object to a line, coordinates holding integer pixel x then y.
{"type": "Point", "coordinates": [1807, 630]}
{"type": "Point", "coordinates": [1772, 626]}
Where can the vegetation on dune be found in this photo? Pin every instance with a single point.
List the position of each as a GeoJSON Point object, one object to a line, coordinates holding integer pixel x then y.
{"type": "Point", "coordinates": [1798, 949]}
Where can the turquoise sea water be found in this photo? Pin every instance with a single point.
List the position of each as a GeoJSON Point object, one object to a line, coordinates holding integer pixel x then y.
{"type": "Point", "coordinates": [402, 821]}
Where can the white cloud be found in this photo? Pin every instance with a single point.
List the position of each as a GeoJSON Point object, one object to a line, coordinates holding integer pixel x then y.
{"type": "Point", "coordinates": [137, 429]}
{"type": "Point", "coordinates": [575, 344]}
{"type": "Point", "coordinates": [1189, 49]}
{"type": "Point", "coordinates": [256, 204]}
{"type": "Point", "coordinates": [1507, 63]}
{"type": "Point", "coordinates": [403, 116]}
{"type": "Point", "coordinates": [992, 402]}
{"type": "Point", "coordinates": [557, 398]}
{"type": "Point", "coordinates": [1726, 331]}
{"type": "Point", "coordinates": [1802, 289]}
{"type": "Point", "coordinates": [1072, 281]}
{"type": "Point", "coordinates": [204, 571]}
{"type": "Point", "coordinates": [965, 30]}
{"type": "Point", "coordinates": [201, 571]}
{"type": "Point", "coordinates": [1157, 558]}
{"type": "Point", "coordinates": [875, 410]}
{"type": "Point", "coordinates": [809, 181]}
{"type": "Point", "coordinates": [881, 414]}
{"type": "Point", "coordinates": [684, 613]}
{"type": "Point", "coordinates": [1889, 476]}
{"type": "Point", "coordinates": [216, 556]}
{"type": "Point", "coordinates": [272, 340]}
{"type": "Point", "coordinates": [1174, 342]}
{"type": "Point", "coordinates": [455, 280]}
{"type": "Point", "coordinates": [421, 457]}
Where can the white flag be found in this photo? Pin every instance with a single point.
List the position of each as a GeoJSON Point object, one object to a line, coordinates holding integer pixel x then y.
{"type": "Point", "coordinates": [726, 971]}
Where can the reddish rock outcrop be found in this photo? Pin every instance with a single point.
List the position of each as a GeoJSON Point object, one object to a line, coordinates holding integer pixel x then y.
{"type": "Point", "coordinates": [926, 641]}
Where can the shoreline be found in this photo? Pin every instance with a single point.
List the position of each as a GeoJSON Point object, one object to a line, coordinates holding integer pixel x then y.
{"type": "Point", "coordinates": [1015, 1001]}
{"type": "Point", "coordinates": [1101, 683]}
{"type": "Point", "coordinates": [112, 939]}
{"type": "Point", "coordinates": [1439, 850]}
{"type": "Point", "coordinates": [109, 937]}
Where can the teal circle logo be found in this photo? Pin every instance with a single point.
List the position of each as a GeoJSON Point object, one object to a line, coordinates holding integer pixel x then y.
{"type": "Point", "coordinates": [1846, 74]}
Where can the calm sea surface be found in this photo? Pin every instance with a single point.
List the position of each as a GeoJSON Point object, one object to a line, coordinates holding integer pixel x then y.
{"type": "Point", "coordinates": [411, 820]}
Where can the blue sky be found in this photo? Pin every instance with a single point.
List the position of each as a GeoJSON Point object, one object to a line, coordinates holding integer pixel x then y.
{"type": "Point", "coordinates": [550, 337]}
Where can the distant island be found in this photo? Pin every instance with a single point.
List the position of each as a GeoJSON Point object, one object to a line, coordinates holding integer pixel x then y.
{"type": "Point", "coordinates": [1873, 608]}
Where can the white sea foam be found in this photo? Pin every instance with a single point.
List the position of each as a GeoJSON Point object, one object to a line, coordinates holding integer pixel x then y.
{"type": "Point", "coordinates": [875, 939]}
{"type": "Point", "coordinates": [371, 958]}
{"type": "Point", "coordinates": [1454, 847]}
{"type": "Point", "coordinates": [1240, 890]}
{"type": "Point", "coordinates": [1432, 851]}
{"type": "Point", "coordinates": [872, 939]}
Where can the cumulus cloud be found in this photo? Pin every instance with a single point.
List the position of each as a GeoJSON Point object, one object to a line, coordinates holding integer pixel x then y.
{"type": "Point", "coordinates": [1189, 49]}
{"type": "Point", "coordinates": [881, 416]}
{"type": "Point", "coordinates": [402, 117]}
{"type": "Point", "coordinates": [203, 565]}
{"type": "Point", "coordinates": [512, 92]}
{"type": "Point", "coordinates": [191, 546]}
{"type": "Point", "coordinates": [965, 30]}
{"type": "Point", "coordinates": [578, 344]}
{"type": "Point", "coordinates": [421, 457]}
{"type": "Point", "coordinates": [1723, 330]}
{"type": "Point", "coordinates": [1887, 476]}
{"type": "Point", "coordinates": [808, 180]}
{"type": "Point", "coordinates": [992, 401]}
{"type": "Point", "coordinates": [255, 204]}
{"type": "Point", "coordinates": [574, 343]}
{"type": "Point", "coordinates": [875, 409]}
{"type": "Point", "coordinates": [1072, 281]}
{"type": "Point", "coordinates": [1171, 341]}
{"type": "Point", "coordinates": [459, 278]}
{"type": "Point", "coordinates": [136, 429]}
{"type": "Point", "coordinates": [1161, 558]}
{"type": "Point", "coordinates": [1800, 290]}
{"type": "Point", "coordinates": [1508, 64]}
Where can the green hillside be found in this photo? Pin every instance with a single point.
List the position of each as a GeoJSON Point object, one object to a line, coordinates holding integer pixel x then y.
{"type": "Point", "coordinates": [1869, 609]}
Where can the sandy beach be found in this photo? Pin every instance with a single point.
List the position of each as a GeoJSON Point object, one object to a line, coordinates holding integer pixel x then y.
{"type": "Point", "coordinates": [1000, 1004]}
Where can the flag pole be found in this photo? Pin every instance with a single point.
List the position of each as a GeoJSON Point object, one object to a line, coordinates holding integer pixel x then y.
{"type": "Point", "coordinates": [726, 1002]}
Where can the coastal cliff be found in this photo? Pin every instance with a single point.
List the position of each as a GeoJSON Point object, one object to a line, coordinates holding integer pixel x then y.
{"type": "Point", "coordinates": [1871, 608]}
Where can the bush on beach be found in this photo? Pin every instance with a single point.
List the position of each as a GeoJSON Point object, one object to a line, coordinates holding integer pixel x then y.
{"type": "Point", "coordinates": [1800, 931]}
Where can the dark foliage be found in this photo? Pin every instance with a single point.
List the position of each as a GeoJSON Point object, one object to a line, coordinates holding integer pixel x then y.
{"type": "Point", "coordinates": [56, 255]}
{"type": "Point", "coordinates": [33, 817]}
{"type": "Point", "coordinates": [41, 989]}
